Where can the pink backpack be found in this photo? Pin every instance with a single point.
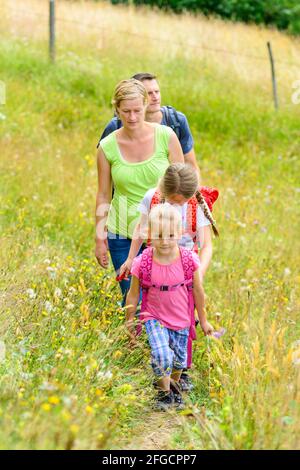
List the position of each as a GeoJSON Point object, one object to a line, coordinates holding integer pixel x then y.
{"type": "Point", "coordinates": [145, 282]}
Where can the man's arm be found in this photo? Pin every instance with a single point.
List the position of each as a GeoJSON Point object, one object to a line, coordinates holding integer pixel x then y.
{"type": "Point", "coordinates": [190, 158]}
{"type": "Point", "coordinates": [187, 143]}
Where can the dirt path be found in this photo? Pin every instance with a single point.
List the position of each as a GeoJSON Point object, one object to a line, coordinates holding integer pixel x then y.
{"type": "Point", "coordinates": [156, 431]}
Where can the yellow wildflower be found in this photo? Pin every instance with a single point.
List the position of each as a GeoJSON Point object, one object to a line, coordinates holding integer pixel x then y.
{"type": "Point", "coordinates": [54, 400]}
{"type": "Point", "coordinates": [74, 428]}
{"type": "Point", "coordinates": [89, 409]}
{"type": "Point", "coordinates": [46, 407]}
{"type": "Point", "coordinates": [117, 354]}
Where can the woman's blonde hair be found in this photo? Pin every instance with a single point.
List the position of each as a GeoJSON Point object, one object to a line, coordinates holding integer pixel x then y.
{"type": "Point", "coordinates": [164, 219]}
{"type": "Point", "coordinates": [129, 90]}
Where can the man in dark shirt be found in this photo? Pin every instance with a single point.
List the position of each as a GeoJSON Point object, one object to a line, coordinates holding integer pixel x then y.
{"type": "Point", "coordinates": [163, 115]}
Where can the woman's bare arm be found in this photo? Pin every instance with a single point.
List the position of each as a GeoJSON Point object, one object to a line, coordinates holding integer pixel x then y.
{"type": "Point", "coordinates": [175, 150]}
{"type": "Point", "coordinates": [103, 200]}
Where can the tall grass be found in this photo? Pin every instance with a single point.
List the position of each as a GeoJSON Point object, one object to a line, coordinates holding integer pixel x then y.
{"type": "Point", "coordinates": [68, 379]}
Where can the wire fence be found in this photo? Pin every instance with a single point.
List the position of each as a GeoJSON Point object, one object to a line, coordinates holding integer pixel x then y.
{"type": "Point", "coordinates": [103, 28]}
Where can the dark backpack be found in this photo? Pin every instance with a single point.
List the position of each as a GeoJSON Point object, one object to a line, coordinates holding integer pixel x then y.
{"type": "Point", "coordinates": [172, 119]}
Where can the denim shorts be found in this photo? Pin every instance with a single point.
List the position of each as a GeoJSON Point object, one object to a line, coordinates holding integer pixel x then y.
{"type": "Point", "coordinates": [119, 247]}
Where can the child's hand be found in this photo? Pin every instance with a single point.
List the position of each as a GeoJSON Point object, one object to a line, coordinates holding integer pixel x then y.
{"type": "Point", "coordinates": [131, 331]}
{"type": "Point", "coordinates": [207, 328]}
{"type": "Point", "coordinates": [125, 268]}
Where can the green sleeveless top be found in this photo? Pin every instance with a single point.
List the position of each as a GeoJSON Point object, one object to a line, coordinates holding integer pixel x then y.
{"type": "Point", "coordinates": [132, 180]}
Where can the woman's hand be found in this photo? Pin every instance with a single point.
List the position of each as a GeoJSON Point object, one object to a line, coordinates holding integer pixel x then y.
{"type": "Point", "coordinates": [207, 328]}
{"type": "Point", "coordinates": [101, 253]}
{"type": "Point", "coordinates": [126, 268]}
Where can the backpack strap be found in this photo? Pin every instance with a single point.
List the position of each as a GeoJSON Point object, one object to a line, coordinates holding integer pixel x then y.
{"type": "Point", "coordinates": [192, 217]}
{"type": "Point", "coordinates": [145, 273]}
{"type": "Point", "coordinates": [187, 264]}
{"type": "Point", "coordinates": [154, 201]}
{"type": "Point", "coordinates": [119, 123]}
{"type": "Point", "coordinates": [172, 119]}
{"type": "Point", "coordinates": [145, 280]}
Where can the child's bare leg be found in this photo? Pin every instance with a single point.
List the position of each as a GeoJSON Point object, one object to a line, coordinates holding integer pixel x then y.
{"type": "Point", "coordinates": [176, 374]}
{"type": "Point", "coordinates": [175, 377]}
{"type": "Point", "coordinates": [164, 383]}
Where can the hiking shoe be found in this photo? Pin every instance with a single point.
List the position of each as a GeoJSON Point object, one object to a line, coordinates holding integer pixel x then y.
{"type": "Point", "coordinates": [186, 383]}
{"type": "Point", "coordinates": [177, 393]}
{"type": "Point", "coordinates": [163, 401]}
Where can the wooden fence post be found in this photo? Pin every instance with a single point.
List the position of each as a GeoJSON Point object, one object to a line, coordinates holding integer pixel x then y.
{"type": "Point", "coordinates": [52, 30]}
{"type": "Point", "coordinates": [274, 84]}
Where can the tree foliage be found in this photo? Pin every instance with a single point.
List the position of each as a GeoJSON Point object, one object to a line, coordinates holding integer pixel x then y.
{"type": "Point", "coordinates": [284, 14]}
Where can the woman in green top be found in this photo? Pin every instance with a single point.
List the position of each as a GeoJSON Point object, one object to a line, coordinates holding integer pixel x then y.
{"type": "Point", "coordinates": [132, 158]}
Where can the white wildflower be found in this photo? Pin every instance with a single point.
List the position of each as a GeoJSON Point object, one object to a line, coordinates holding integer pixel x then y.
{"type": "Point", "coordinates": [286, 272]}
{"type": "Point", "coordinates": [67, 401]}
{"type": "Point", "coordinates": [105, 375]}
{"type": "Point", "coordinates": [296, 353]}
{"type": "Point", "coordinates": [217, 264]}
{"type": "Point", "coordinates": [48, 306]}
{"type": "Point", "coordinates": [241, 224]}
{"type": "Point", "coordinates": [58, 292]}
{"type": "Point", "coordinates": [31, 293]}
{"type": "Point", "coordinates": [70, 306]}
{"type": "Point", "coordinates": [2, 351]}
{"type": "Point", "coordinates": [51, 271]}
{"type": "Point", "coordinates": [47, 386]}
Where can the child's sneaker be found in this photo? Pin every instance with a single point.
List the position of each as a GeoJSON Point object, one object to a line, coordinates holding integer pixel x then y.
{"type": "Point", "coordinates": [178, 400]}
{"type": "Point", "coordinates": [163, 400]}
{"type": "Point", "coordinates": [186, 383]}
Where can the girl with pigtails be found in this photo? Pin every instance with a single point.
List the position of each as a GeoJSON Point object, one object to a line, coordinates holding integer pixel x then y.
{"type": "Point", "coordinates": [179, 187]}
{"type": "Point", "coordinates": [171, 289]}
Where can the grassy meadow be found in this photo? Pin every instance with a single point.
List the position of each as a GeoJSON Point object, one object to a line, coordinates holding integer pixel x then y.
{"type": "Point", "coordinates": [67, 377]}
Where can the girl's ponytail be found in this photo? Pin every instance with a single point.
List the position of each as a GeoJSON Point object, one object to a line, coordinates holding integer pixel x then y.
{"type": "Point", "coordinates": [202, 203]}
{"type": "Point", "coordinates": [179, 178]}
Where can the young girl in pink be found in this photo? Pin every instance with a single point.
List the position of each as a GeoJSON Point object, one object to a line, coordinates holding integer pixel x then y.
{"type": "Point", "coordinates": [170, 280]}
{"type": "Point", "coordinates": [179, 187]}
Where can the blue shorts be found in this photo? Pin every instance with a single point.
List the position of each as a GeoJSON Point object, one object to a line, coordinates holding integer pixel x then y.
{"type": "Point", "coordinates": [119, 247]}
{"type": "Point", "coordinates": [168, 348]}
